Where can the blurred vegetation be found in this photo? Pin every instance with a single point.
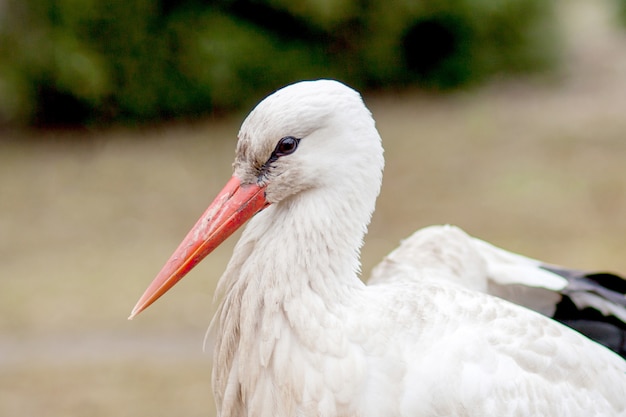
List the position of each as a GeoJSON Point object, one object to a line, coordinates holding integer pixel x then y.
{"type": "Point", "coordinates": [621, 5]}
{"type": "Point", "coordinates": [94, 61]}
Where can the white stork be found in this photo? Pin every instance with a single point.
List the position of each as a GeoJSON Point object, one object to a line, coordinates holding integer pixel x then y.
{"type": "Point", "coordinates": [297, 332]}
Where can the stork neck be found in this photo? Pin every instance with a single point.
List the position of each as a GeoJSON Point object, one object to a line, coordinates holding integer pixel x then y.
{"type": "Point", "coordinates": [290, 283]}
{"type": "Point", "coordinates": [309, 242]}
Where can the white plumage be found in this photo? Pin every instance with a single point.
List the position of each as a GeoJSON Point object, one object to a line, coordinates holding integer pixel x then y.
{"type": "Point", "coordinates": [516, 278]}
{"type": "Point", "coordinates": [298, 334]}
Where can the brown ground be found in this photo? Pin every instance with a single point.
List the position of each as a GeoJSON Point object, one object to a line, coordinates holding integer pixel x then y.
{"type": "Point", "coordinates": [537, 167]}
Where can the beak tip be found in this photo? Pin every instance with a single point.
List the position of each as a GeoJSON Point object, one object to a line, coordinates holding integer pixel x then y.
{"type": "Point", "coordinates": [134, 313]}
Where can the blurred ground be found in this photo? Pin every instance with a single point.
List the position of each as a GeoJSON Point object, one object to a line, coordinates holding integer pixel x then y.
{"type": "Point", "coordinates": [87, 219]}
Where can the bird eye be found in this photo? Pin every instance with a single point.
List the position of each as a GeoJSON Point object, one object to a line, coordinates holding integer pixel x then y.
{"type": "Point", "coordinates": [286, 146]}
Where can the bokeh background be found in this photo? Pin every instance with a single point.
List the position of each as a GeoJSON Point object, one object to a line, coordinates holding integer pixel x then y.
{"type": "Point", "coordinates": [118, 126]}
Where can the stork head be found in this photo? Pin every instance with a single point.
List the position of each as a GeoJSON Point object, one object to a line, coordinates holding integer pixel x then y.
{"type": "Point", "coordinates": [308, 136]}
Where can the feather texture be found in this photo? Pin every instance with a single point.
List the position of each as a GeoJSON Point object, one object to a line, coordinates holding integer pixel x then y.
{"type": "Point", "coordinates": [572, 297]}
{"type": "Point", "coordinates": [297, 333]}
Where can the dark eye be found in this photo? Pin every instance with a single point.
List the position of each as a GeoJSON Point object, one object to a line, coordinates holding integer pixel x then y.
{"type": "Point", "coordinates": [286, 146]}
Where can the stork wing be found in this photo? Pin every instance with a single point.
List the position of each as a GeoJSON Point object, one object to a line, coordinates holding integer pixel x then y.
{"type": "Point", "coordinates": [591, 303]}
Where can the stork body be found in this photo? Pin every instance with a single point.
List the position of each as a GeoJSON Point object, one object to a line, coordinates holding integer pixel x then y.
{"type": "Point", "coordinates": [591, 303]}
{"type": "Point", "coordinates": [298, 334]}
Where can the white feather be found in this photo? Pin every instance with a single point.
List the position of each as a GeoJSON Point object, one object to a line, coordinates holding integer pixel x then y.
{"type": "Point", "coordinates": [298, 334]}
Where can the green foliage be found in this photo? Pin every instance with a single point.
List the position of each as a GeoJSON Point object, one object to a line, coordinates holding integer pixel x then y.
{"type": "Point", "coordinates": [226, 61]}
{"type": "Point", "coordinates": [621, 11]}
{"type": "Point", "coordinates": [77, 61]}
{"type": "Point", "coordinates": [446, 44]}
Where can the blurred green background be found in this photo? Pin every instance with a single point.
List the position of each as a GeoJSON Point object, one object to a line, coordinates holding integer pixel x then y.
{"type": "Point", "coordinates": [119, 126]}
{"type": "Point", "coordinates": [98, 62]}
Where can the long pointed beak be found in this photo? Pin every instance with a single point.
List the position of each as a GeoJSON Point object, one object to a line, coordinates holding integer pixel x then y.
{"type": "Point", "coordinates": [232, 207]}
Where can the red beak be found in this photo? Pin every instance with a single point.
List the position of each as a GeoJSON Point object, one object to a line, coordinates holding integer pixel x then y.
{"type": "Point", "coordinates": [232, 207]}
